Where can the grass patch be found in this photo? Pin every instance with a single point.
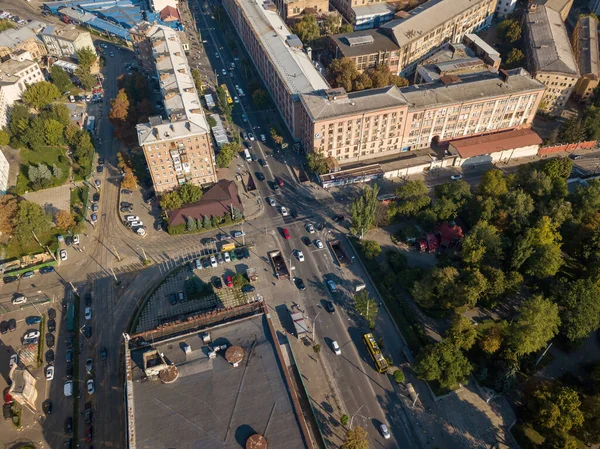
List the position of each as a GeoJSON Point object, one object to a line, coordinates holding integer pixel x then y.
{"type": "Point", "coordinates": [17, 412]}
{"type": "Point", "coordinates": [41, 341]}
{"type": "Point", "coordinates": [79, 200]}
{"type": "Point", "coordinates": [527, 436]}
{"type": "Point", "coordinates": [14, 249]}
{"type": "Point", "coordinates": [49, 156]}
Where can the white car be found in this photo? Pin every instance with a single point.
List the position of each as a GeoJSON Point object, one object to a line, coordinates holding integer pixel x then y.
{"type": "Point", "coordinates": [236, 100]}
{"type": "Point", "coordinates": [284, 211]}
{"type": "Point", "coordinates": [76, 239]}
{"type": "Point", "coordinates": [68, 389]}
{"type": "Point", "coordinates": [63, 254]}
{"type": "Point", "coordinates": [310, 228]}
{"type": "Point", "coordinates": [251, 136]}
{"type": "Point", "coordinates": [300, 255]}
{"type": "Point", "coordinates": [384, 431]}
{"type": "Point", "coordinates": [227, 258]}
{"type": "Point", "coordinates": [90, 386]}
{"type": "Point", "coordinates": [319, 244]}
{"type": "Point", "coordinates": [14, 359]}
{"type": "Point", "coordinates": [104, 45]}
{"type": "Point", "coordinates": [19, 300]}
{"type": "Point", "coordinates": [336, 348]}
{"type": "Point", "coordinates": [271, 201]}
{"type": "Point", "coordinates": [213, 262]}
{"type": "Point", "coordinates": [263, 138]}
{"type": "Point", "coordinates": [224, 72]}
{"type": "Point", "coordinates": [49, 372]}
{"type": "Point", "coordinates": [31, 335]}
{"type": "Point", "coordinates": [454, 178]}
{"type": "Point", "coordinates": [135, 224]}
{"type": "Point", "coordinates": [88, 313]}
{"type": "Point", "coordinates": [132, 218]}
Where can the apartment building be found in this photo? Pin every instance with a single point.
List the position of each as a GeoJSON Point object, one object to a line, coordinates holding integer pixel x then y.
{"type": "Point", "coordinates": [278, 55]}
{"type": "Point", "coordinates": [377, 123]}
{"type": "Point", "coordinates": [585, 47]}
{"type": "Point", "coordinates": [365, 14]}
{"type": "Point", "coordinates": [66, 41]}
{"type": "Point", "coordinates": [178, 149]}
{"type": "Point", "coordinates": [551, 59]}
{"type": "Point", "coordinates": [367, 49]}
{"type": "Point", "coordinates": [505, 7]}
{"type": "Point", "coordinates": [25, 38]}
{"type": "Point", "coordinates": [15, 76]}
{"type": "Point", "coordinates": [291, 9]}
{"type": "Point", "coordinates": [562, 7]}
{"type": "Point", "coordinates": [4, 172]}
{"type": "Point", "coordinates": [434, 23]}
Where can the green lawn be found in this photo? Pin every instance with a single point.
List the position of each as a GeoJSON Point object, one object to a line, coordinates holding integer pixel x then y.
{"type": "Point", "coordinates": [49, 156]}
{"type": "Point", "coordinates": [14, 250]}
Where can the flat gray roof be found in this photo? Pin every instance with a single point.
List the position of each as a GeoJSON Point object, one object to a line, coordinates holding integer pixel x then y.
{"type": "Point", "coordinates": [549, 43]}
{"type": "Point", "coordinates": [587, 45]}
{"type": "Point", "coordinates": [292, 64]}
{"type": "Point", "coordinates": [381, 42]}
{"type": "Point", "coordinates": [427, 17]}
{"type": "Point", "coordinates": [213, 405]}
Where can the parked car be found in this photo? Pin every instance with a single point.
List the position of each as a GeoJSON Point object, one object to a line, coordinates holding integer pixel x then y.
{"type": "Point", "coordinates": [47, 407]}
{"type": "Point", "coordinates": [31, 320]}
{"type": "Point", "coordinates": [69, 341]}
{"type": "Point", "coordinates": [226, 257]}
{"type": "Point", "coordinates": [284, 211]}
{"type": "Point", "coordinates": [50, 372]}
{"type": "Point", "coordinates": [299, 284]}
{"type": "Point", "coordinates": [455, 178]}
{"type": "Point", "coordinates": [286, 233]}
{"type": "Point", "coordinates": [270, 201]}
{"type": "Point", "coordinates": [63, 252]}
{"type": "Point", "coordinates": [31, 335]}
{"type": "Point", "coordinates": [173, 299]}
{"type": "Point", "coordinates": [90, 386]}
{"type": "Point", "coordinates": [248, 288]}
{"type": "Point", "coordinates": [69, 356]}
{"type": "Point", "coordinates": [94, 218]}
{"type": "Point", "coordinates": [13, 360]}
{"type": "Point", "coordinates": [87, 331]}
{"type": "Point", "coordinates": [338, 218]}
{"type": "Point", "coordinates": [306, 241]}
{"type": "Point", "coordinates": [88, 412]}
{"type": "Point", "coordinates": [132, 218]}
{"type": "Point", "coordinates": [28, 275]}
{"type": "Point", "coordinates": [89, 364]}
{"type": "Point", "coordinates": [50, 356]}
{"type": "Point", "coordinates": [319, 244]}
{"type": "Point", "coordinates": [331, 285]}
{"type": "Point", "coordinates": [229, 281]}
{"type": "Point", "coordinates": [384, 431]}
{"type": "Point", "coordinates": [329, 307]}
{"type": "Point", "coordinates": [12, 325]}
{"type": "Point", "coordinates": [310, 228]}
{"type": "Point", "coordinates": [49, 340]}
{"type": "Point", "coordinates": [88, 313]}
{"type": "Point", "coordinates": [3, 327]}
{"type": "Point", "coordinates": [51, 326]}
{"type": "Point", "coordinates": [213, 262]}
{"type": "Point", "coordinates": [69, 373]}
{"type": "Point", "coordinates": [126, 192]}
{"type": "Point", "coordinates": [216, 281]}
{"type": "Point", "coordinates": [263, 163]}
{"type": "Point", "coordinates": [336, 348]}
{"type": "Point", "coordinates": [9, 279]}
{"type": "Point", "coordinates": [208, 241]}
{"type": "Point", "coordinates": [260, 176]}
{"type": "Point", "coordinates": [96, 197]}
{"type": "Point", "coordinates": [51, 313]}
{"type": "Point", "coordinates": [46, 270]}
{"type": "Point", "coordinates": [103, 354]}
{"type": "Point", "coordinates": [95, 207]}
{"type": "Point", "coordinates": [300, 255]}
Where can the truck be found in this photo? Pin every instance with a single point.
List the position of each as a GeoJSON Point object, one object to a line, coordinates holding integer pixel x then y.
{"type": "Point", "coordinates": [210, 103]}
{"type": "Point", "coordinates": [228, 246]}
{"type": "Point", "coordinates": [301, 175]}
{"type": "Point", "coordinates": [339, 253]}
{"type": "Point", "coordinates": [278, 261]}
{"type": "Point", "coordinates": [300, 325]}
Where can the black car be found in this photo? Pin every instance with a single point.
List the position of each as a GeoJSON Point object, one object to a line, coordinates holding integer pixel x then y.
{"type": "Point", "coordinates": [239, 253]}
{"type": "Point", "coordinates": [89, 434]}
{"type": "Point", "coordinates": [150, 198]}
{"type": "Point", "coordinates": [217, 282]}
{"type": "Point", "coordinates": [3, 327]}
{"type": "Point", "coordinates": [69, 356]}
{"type": "Point", "coordinates": [12, 325]}
{"type": "Point", "coordinates": [7, 411]}
{"type": "Point", "coordinates": [294, 213]}
{"type": "Point", "coordinates": [51, 313]}
{"type": "Point", "coordinates": [50, 340]}
{"type": "Point", "coordinates": [9, 279]}
{"type": "Point", "coordinates": [103, 354]}
{"type": "Point", "coordinates": [51, 326]}
{"type": "Point", "coordinates": [45, 270]}
{"type": "Point", "coordinates": [127, 209]}
{"type": "Point", "coordinates": [299, 284]}
{"type": "Point", "coordinates": [69, 374]}
{"type": "Point", "coordinates": [275, 187]}
{"type": "Point", "coordinates": [126, 204]}
{"type": "Point", "coordinates": [126, 192]}
{"type": "Point", "coordinates": [96, 197]}
{"type": "Point", "coordinates": [320, 226]}
{"type": "Point", "coordinates": [68, 444]}
{"type": "Point", "coordinates": [208, 240]}
{"type": "Point", "coordinates": [49, 356]}
{"type": "Point", "coordinates": [69, 425]}
{"type": "Point", "coordinates": [306, 241]}
{"type": "Point", "coordinates": [262, 162]}
{"type": "Point", "coordinates": [260, 176]}
{"type": "Point", "coordinates": [248, 288]}
{"type": "Point", "coordinates": [101, 161]}
{"type": "Point", "coordinates": [99, 169]}
{"type": "Point", "coordinates": [338, 218]}
{"type": "Point", "coordinates": [246, 252]}
{"type": "Point", "coordinates": [205, 263]}
{"type": "Point", "coordinates": [47, 407]}
{"type": "Point", "coordinates": [329, 307]}
{"type": "Point", "coordinates": [88, 413]}
{"type": "Point", "coordinates": [88, 298]}
{"type": "Point", "coordinates": [69, 341]}
{"type": "Point", "coordinates": [173, 299]}
{"type": "Point", "coordinates": [87, 331]}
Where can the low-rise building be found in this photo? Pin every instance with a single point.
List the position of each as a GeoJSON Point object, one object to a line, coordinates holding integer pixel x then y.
{"type": "Point", "coordinates": [427, 27]}
{"type": "Point", "coordinates": [66, 41]}
{"type": "Point", "coordinates": [24, 38]}
{"type": "Point", "coordinates": [562, 7]}
{"type": "Point", "coordinates": [23, 386]}
{"type": "Point", "coordinates": [278, 55]}
{"type": "Point", "coordinates": [178, 150]}
{"type": "Point", "coordinates": [551, 59]}
{"type": "Point", "coordinates": [505, 7]}
{"type": "Point", "coordinates": [367, 49]}
{"type": "Point", "coordinates": [361, 126]}
{"type": "Point", "coordinates": [585, 46]}
{"type": "Point", "coordinates": [15, 76]}
{"type": "Point", "coordinates": [291, 9]}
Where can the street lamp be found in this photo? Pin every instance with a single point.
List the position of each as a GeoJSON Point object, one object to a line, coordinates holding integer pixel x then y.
{"type": "Point", "coordinates": [315, 326]}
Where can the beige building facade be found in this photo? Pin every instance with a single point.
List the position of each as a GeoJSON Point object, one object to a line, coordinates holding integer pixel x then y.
{"type": "Point", "coordinates": [66, 41]}
{"type": "Point", "coordinates": [367, 49]}
{"type": "Point", "coordinates": [290, 9]}
{"type": "Point", "coordinates": [585, 47]}
{"type": "Point", "coordinates": [15, 76]}
{"type": "Point", "coordinates": [178, 149]}
{"type": "Point", "coordinates": [16, 39]}
{"type": "Point", "coordinates": [379, 123]}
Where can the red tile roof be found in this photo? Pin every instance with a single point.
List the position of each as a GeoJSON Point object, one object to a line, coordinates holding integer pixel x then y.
{"type": "Point", "coordinates": [169, 13]}
{"type": "Point", "coordinates": [215, 203]}
{"type": "Point", "coordinates": [492, 143]}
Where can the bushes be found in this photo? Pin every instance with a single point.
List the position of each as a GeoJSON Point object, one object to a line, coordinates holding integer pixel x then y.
{"type": "Point", "coordinates": [202, 225]}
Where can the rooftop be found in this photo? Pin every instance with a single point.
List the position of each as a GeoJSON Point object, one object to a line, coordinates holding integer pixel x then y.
{"type": "Point", "coordinates": [14, 36]}
{"type": "Point", "coordinates": [556, 5]}
{"type": "Point", "coordinates": [10, 69]}
{"type": "Point", "coordinates": [374, 10]}
{"type": "Point", "coordinates": [586, 45]}
{"type": "Point", "coordinates": [369, 41]}
{"type": "Point", "coordinates": [181, 100]}
{"type": "Point", "coordinates": [427, 17]}
{"type": "Point", "coordinates": [492, 143]}
{"type": "Point", "coordinates": [69, 32]}
{"type": "Point", "coordinates": [212, 404]}
{"type": "Point", "coordinates": [550, 47]}
{"type": "Point", "coordinates": [451, 59]}
{"type": "Point", "coordinates": [292, 63]}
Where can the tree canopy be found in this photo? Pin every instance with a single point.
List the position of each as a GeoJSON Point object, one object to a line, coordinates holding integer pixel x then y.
{"type": "Point", "coordinates": [363, 210]}
{"type": "Point", "coordinates": [40, 95]}
{"type": "Point", "coordinates": [537, 323]}
{"type": "Point", "coordinates": [443, 362]}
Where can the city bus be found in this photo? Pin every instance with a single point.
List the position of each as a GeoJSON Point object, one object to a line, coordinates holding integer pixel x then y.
{"type": "Point", "coordinates": [381, 364]}
{"type": "Point", "coordinates": [229, 99]}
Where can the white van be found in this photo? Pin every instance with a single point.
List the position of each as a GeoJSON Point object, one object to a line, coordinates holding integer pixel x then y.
{"type": "Point", "coordinates": [247, 155]}
{"type": "Point", "coordinates": [132, 218]}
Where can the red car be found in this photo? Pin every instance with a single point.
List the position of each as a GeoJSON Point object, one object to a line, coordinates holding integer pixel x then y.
{"type": "Point", "coordinates": [286, 234]}
{"type": "Point", "coordinates": [279, 182]}
{"type": "Point", "coordinates": [229, 281]}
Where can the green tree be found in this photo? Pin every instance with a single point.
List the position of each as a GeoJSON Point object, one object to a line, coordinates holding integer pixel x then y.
{"type": "Point", "coordinates": [514, 58]}
{"type": "Point", "coordinates": [59, 112]}
{"type": "Point", "coordinates": [493, 184]}
{"type": "Point", "coordinates": [239, 280]}
{"type": "Point", "coordinates": [207, 222]}
{"type": "Point", "coordinates": [190, 193]}
{"type": "Point", "coordinates": [332, 24]}
{"type": "Point", "coordinates": [57, 171]}
{"type": "Point", "coordinates": [4, 137]}
{"type": "Point", "coordinates": [363, 210]}
{"type": "Point", "coordinates": [443, 362]}
{"type": "Point", "coordinates": [60, 78]}
{"type": "Point", "coordinates": [30, 219]}
{"type": "Point", "coordinates": [558, 440]}
{"type": "Point", "coordinates": [342, 73]}
{"type": "Point", "coordinates": [450, 197]}
{"type": "Point", "coordinates": [509, 31]}
{"type": "Point", "coordinates": [572, 131]}
{"type": "Point", "coordinates": [196, 75]}
{"type": "Point", "coordinates": [461, 332]}
{"type": "Point", "coordinates": [492, 338]}
{"type": "Point", "coordinates": [317, 162]}
{"type": "Point", "coordinates": [482, 244]}
{"type": "Point", "coordinates": [225, 155]}
{"type": "Point", "coordinates": [307, 29]}
{"type": "Point", "coordinates": [64, 220]}
{"type": "Point", "coordinates": [260, 98]}
{"type": "Point", "coordinates": [211, 121]}
{"type": "Point", "coordinates": [435, 287]}
{"type": "Point", "coordinates": [356, 438]}
{"type": "Point", "coordinates": [412, 197]}
{"type": "Point", "coordinates": [171, 201]}
{"type": "Point", "coordinates": [537, 323]}
{"type": "Point", "coordinates": [53, 132]}
{"type": "Point", "coordinates": [371, 249]}
{"type": "Point", "coordinates": [346, 28]}
{"type": "Point", "coordinates": [585, 200]}
{"type": "Point", "coordinates": [579, 307]}
{"type": "Point", "coordinates": [190, 224]}
{"type": "Point", "coordinates": [86, 57]}
{"type": "Point", "coordinates": [545, 261]}
{"type": "Point", "coordinates": [72, 132]}
{"type": "Point", "coordinates": [590, 429]}
{"type": "Point", "coordinates": [515, 210]}
{"type": "Point", "coordinates": [555, 407]}
{"type": "Point", "coordinates": [33, 173]}
{"type": "Point", "coordinates": [500, 284]}
{"type": "Point", "coordinates": [40, 95]}
{"type": "Point", "coordinates": [6, 24]}
{"type": "Point", "coordinates": [366, 307]}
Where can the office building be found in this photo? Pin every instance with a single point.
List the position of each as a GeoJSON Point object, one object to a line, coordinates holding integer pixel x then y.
{"type": "Point", "coordinates": [66, 41]}
{"type": "Point", "coordinates": [551, 59]}
{"type": "Point", "coordinates": [367, 49]}
{"type": "Point", "coordinates": [278, 55]}
{"type": "Point", "coordinates": [376, 123]}
{"type": "Point", "coordinates": [24, 38]}
{"type": "Point", "coordinates": [177, 149]}
{"type": "Point", "coordinates": [585, 47]}
{"type": "Point", "coordinates": [15, 76]}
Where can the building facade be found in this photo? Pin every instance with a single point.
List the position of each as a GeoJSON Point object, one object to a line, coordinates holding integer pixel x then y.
{"type": "Point", "coordinates": [15, 39]}
{"type": "Point", "coordinates": [505, 7]}
{"type": "Point", "coordinates": [367, 49]}
{"type": "Point", "coordinates": [585, 47]}
{"type": "Point", "coordinates": [290, 9]}
{"type": "Point", "coordinates": [551, 59]}
{"type": "Point", "coordinates": [4, 172]}
{"type": "Point", "coordinates": [66, 41]}
{"type": "Point", "coordinates": [278, 55]}
{"type": "Point", "coordinates": [562, 7]}
{"type": "Point", "coordinates": [434, 23]}
{"type": "Point", "coordinates": [379, 123]}
{"type": "Point", "coordinates": [365, 14]}
{"type": "Point", "coordinates": [178, 149]}
{"type": "Point", "coordinates": [15, 76]}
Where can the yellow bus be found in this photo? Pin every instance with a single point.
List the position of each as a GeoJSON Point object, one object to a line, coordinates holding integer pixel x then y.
{"type": "Point", "coordinates": [381, 364]}
{"type": "Point", "coordinates": [229, 99]}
